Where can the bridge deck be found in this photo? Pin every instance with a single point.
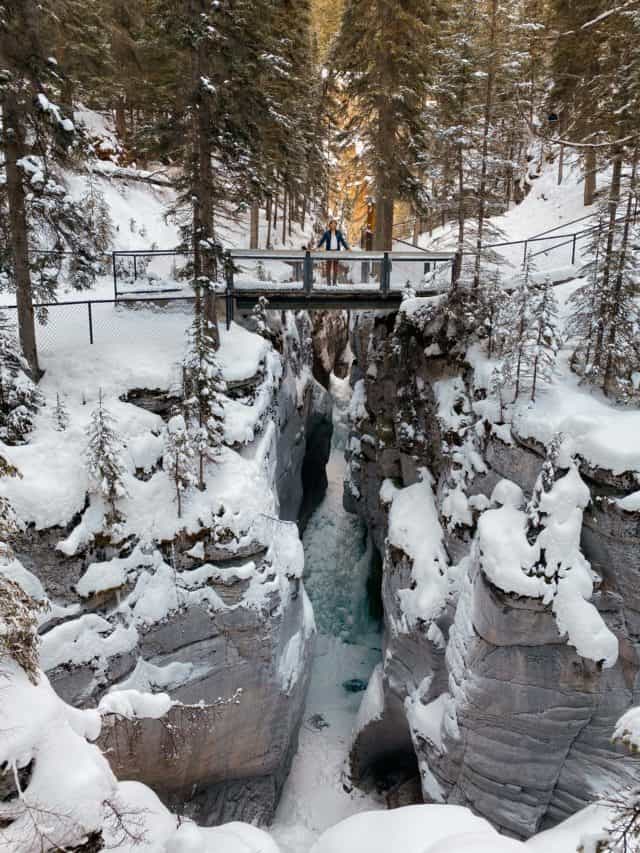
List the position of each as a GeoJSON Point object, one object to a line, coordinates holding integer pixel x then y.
{"type": "Point", "coordinates": [300, 280]}
{"type": "Point", "coordinates": [339, 297]}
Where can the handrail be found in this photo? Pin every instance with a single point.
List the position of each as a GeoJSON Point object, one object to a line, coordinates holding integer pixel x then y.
{"type": "Point", "coordinates": [344, 255]}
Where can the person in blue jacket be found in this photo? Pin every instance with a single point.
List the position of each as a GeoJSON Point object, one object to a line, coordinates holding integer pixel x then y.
{"type": "Point", "coordinates": [333, 241]}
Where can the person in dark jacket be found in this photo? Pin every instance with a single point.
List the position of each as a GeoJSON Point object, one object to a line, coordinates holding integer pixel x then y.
{"type": "Point", "coordinates": [333, 241]}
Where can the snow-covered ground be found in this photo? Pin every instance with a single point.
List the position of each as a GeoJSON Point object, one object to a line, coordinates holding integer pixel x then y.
{"type": "Point", "coordinates": [547, 206]}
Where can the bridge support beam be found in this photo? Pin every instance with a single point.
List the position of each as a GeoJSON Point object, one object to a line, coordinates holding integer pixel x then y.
{"type": "Point", "coordinates": [385, 276]}
{"type": "Point", "coordinates": [307, 273]}
{"type": "Point", "coordinates": [228, 273]}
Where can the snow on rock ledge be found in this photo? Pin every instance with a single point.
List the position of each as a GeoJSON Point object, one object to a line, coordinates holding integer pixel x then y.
{"type": "Point", "coordinates": [209, 608]}
{"type": "Point", "coordinates": [508, 691]}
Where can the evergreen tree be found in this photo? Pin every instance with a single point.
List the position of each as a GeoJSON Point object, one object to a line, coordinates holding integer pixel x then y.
{"type": "Point", "coordinates": [259, 317]}
{"type": "Point", "coordinates": [383, 61]}
{"type": "Point", "coordinates": [517, 345]}
{"type": "Point", "coordinates": [544, 483]}
{"type": "Point", "coordinates": [604, 316]}
{"type": "Point", "coordinates": [60, 415]}
{"type": "Point", "coordinates": [178, 458]}
{"type": "Point", "coordinates": [454, 115]}
{"type": "Point", "coordinates": [491, 311]}
{"type": "Point", "coordinates": [19, 396]}
{"type": "Point", "coordinates": [545, 337]}
{"type": "Point", "coordinates": [104, 460]}
{"type": "Point", "coordinates": [204, 390]}
{"type": "Point", "coordinates": [9, 524]}
{"type": "Point", "coordinates": [37, 139]}
{"type": "Point", "coordinates": [499, 381]}
{"type": "Point", "coordinates": [575, 65]}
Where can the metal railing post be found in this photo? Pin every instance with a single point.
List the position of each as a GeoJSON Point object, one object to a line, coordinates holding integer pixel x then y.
{"type": "Point", "coordinates": [228, 272]}
{"type": "Point", "coordinates": [385, 278]}
{"type": "Point", "coordinates": [135, 268]}
{"type": "Point", "coordinates": [89, 312]}
{"type": "Point", "coordinates": [573, 250]}
{"type": "Point", "coordinates": [525, 250]}
{"type": "Point", "coordinates": [115, 276]}
{"type": "Point", "coordinates": [307, 273]}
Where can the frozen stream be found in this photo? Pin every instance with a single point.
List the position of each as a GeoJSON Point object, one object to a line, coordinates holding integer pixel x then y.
{"type": "Point", "coordinates": [348, 647]}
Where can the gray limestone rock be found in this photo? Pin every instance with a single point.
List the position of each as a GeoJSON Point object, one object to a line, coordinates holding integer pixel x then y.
{"type": "Point", "coordinates": [523, 736]}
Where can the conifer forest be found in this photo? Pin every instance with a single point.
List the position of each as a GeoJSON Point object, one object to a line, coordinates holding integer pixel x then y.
{"type": "Point", "coordinates": [320, 426]}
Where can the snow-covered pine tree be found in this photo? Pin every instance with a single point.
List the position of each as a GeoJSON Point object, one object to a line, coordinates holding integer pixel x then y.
{"type": "Point", "coordinates": [545, 337]}
{"type": "Point", "coordinates": [517, 348]}
{"type": "Point", "coordinates": [408, 291]}
{"type": "Point", "coordinates": [204, 390]}
{"type": "Point", "coordinates": [383, 61]}
{"type": "Point", "coordinates": [20, 398]}
{"type": "Point", "coordinates": [499, 382]}
{"type": "Point", "coordinates": [605, 317]}
{"type": "Point", "coordinates": [8, 522]}
{"type": "Point", "coordinates": [491, 311]}
{"type": "Point", "coordinates": [259, 317]}
{"type": "Point", "coordinates": [60, 415]}
{"type": "Point", "coordinates": [544, 483]}
{"type": "Point", "coordinates": [575, 58]}
{"type": "Point", "coordinates": [178, 458]}
{"type": "Point", "coordinates": [37, 139]}
{"type": "Point", "coordinates": [454, 97]}
{"type": "Point", "coordinates": [104, 460]}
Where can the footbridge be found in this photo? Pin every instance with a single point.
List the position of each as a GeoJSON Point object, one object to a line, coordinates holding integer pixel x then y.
{"type": "Point", "coordinates": [348, 280]}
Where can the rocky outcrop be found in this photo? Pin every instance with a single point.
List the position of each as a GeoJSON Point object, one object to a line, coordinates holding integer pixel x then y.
{"type": "Point", "coordinates": [212, 611]}
{"type": "Point", "coordinates": [502, 714]}
{"type": "Point", "coordinates": [330, 345]}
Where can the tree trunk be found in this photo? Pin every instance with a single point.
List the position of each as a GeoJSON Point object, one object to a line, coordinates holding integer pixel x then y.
{"type": "Point", "coordinates": [416, 228]}
{"type": "Point", "coordinates": [14, 150]}
{"type": "Point", "coordinates": [619, 283]}
{"type": "Point", "coordinates": [560, 164]}
{"type": "Point", "coordinates": [457, 262]}
{"type": "Point", "coordinates": [385, 182]}
{"type": "Point", "coordinates": [488, 115]}
{"type": "Point", "coordinates": [590, 167]}
{"type": "Point", "coordinates": [121, 119]}
{"type": "Point", "coordinates": [385, 190]}
{"type": "Point", "coordinates": [614, 199]}
{"type": "Point", "coordinates": [205, 261]}
{"type": "Point", "coordinates": [285, 203]}
{"type": "Point", "coordinates": [269, 221]}
{"type": "Point", "coordinates": [254, 229]}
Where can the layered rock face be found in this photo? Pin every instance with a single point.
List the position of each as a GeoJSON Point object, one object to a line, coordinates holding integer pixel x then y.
{"type": "Point", "coordinates": [502, 713]}
{"type": "Point", "coordinates": [210, 610]}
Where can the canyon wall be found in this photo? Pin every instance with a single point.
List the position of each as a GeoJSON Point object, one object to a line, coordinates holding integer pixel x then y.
{"type": "Point", "coordinates": [211, 609]}
{"type": "Point", "coordinates": [501, 712]}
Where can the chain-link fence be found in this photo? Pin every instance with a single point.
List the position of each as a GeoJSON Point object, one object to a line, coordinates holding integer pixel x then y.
{"type": "Point", "coordinates": [71, 326]}
{"type": "Point", "coordinates": [153, 271]}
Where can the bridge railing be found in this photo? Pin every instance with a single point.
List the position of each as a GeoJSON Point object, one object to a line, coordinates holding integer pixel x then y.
{"type": "Point", "coordinates": [310, 272]}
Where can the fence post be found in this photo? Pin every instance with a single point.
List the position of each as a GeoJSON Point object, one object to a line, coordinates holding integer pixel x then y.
{"type": "Point", "coordinates": [526, 249]}
{"type": "Point", "coordinates": [307, 273]}
{"type": "Point", "coordinates": [573, 250]}
{"type": "Point", "coordinates": [228, 272]}
{"type": "Point", "coordinates": [385, 278]}
{"type": "Point", "coordinates": [90, 322]}
{"type": "Point", "coordinates": [135, 268]}
{"type": "Point", "coordinates": [115, 276]}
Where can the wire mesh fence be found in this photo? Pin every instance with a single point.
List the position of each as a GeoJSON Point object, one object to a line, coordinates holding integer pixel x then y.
{"type": "Point", "coordinates": [151, 271]}
{"type": "Point", "coordinates": [71, 326]}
